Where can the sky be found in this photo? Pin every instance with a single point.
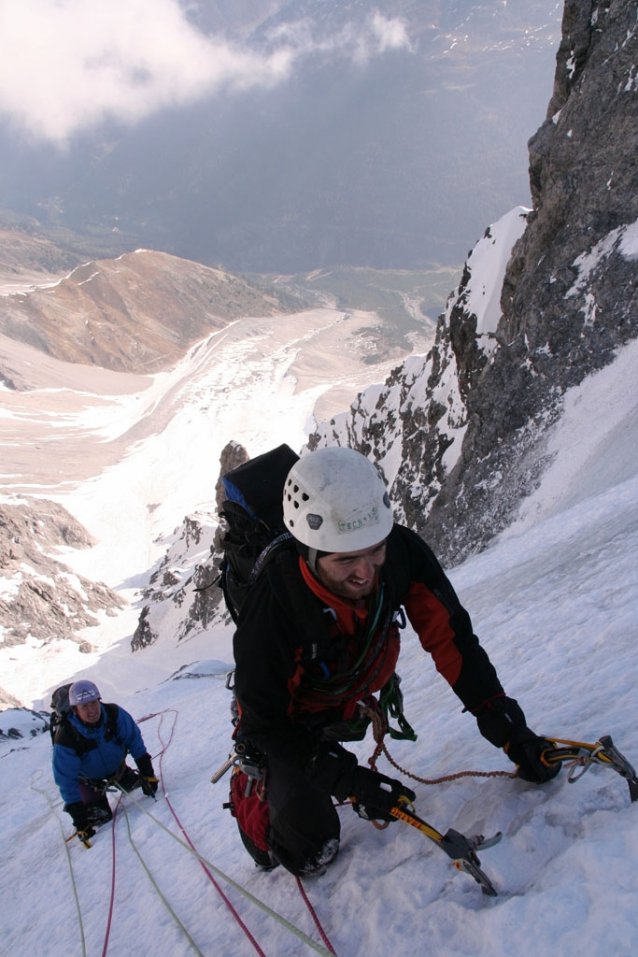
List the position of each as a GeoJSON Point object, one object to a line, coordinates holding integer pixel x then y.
{"type": "Point", "coordinates": [555, 603]}
{"type": "Point", "coordinates": [67, 66]}
{"type": "Point", "coordinates": [381, 135]}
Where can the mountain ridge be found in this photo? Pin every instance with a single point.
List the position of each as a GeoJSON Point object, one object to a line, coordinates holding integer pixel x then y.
{"type": "Point", "coordinates": [137, 313]}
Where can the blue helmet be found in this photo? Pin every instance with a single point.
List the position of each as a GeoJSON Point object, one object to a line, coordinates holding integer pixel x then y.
{"type": "Point", "coordinates": [81, 692]}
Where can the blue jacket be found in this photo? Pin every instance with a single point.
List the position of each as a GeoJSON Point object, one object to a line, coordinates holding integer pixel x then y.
{"type": "Point", "coordinates": [100, 762]}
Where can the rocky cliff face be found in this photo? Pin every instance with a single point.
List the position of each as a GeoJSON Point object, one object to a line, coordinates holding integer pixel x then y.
{"type": "Point", "coordinates": [183, 586]}
{"type": "Point", "coordinates": [459, 433]}
{"type": "Point", "coordinates": [42, 598]}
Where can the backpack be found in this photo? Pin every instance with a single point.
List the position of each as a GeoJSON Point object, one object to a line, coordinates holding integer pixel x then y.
{"type": "Point", "coordinates": [253, 512]}
{"type": "Point", "coordinates": [248, 805]}
{"type": "Point", "coordinates": [256, 537]}
{"type": "Point", "coordinates": [63, 732]}
{"type": "Point", "coordinates": [61, 707]}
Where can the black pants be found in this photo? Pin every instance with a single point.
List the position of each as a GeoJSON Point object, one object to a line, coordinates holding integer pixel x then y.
{"type": "Point", "coordinates": [304, 824]}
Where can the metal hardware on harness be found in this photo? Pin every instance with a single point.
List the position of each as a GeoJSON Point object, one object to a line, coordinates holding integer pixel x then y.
{"type": "Point", "coordinates": [250, 764]}
{"type": "Point", "coordinates": [226, 766]}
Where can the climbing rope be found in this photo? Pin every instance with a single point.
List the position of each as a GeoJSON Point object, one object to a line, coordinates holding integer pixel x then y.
{"type": "Point", "coordinates": [109, 919]}
{"type": "Point", "coordinates": [157, 888]}
{"type": "Point", "coordinates": [165, 746]}
{"type": "Point", "coordinates": [313, 914]}
{"type": "Point", "coordinates": [379, 729]}
{"type": "Point", "coordinates": [238, 887]}
{"type": "Point", "coordinates": [188, 845]}
{"type": "Point", "coordinates": [206, 865]}
{"type": "Point", "coordinates": [37, 774]}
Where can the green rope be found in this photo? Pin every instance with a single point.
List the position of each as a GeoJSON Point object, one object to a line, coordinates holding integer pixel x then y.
{"type": "Point", "coordinates": [156, 886]}
{"type": "Point", "coordinates": [242, 890]}
{"type": "Point", "coordinates": [68, 856]}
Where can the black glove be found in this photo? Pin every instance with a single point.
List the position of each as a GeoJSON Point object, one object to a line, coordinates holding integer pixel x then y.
{"type": "Point", "coordinates": [336, 769]}
{"type": "Point", "coordinates": [526, 750]}
{"type": "Point", "coordinates": [328, 763]}
{"type": "Point", "coordinates": [149, 781]}
{"type": "Point", "coordinates": [374, 794]}
{"type": "Point", "coordinates": [77, 810]}
{"type": "Point", "coordinates": [502, 722]}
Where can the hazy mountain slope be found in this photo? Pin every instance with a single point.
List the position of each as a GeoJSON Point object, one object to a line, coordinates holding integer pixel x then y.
{"type": "Point", "coordinates": [130, 455]}
{"type": "Point", "coordinates": [138, 313]}
{"type": "Point", "coordinates": [28, 258]}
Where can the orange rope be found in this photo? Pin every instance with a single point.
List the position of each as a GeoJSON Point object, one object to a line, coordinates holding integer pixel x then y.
{"type": "Point", "coordinates": [379, 729]}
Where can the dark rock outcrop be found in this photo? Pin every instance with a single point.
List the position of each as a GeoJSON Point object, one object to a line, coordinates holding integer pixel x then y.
{"type": "Point", "coordinates": [18, 723]}
{"type": "Point", "coordinates": [569, 297]}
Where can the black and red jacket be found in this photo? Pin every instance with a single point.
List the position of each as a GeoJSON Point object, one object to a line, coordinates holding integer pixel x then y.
{"type": "Point", "coordinates": [305, 657]}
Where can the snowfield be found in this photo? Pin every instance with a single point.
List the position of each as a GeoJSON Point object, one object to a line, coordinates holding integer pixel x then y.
{"type": "Point", "coordinates": [555, 603]}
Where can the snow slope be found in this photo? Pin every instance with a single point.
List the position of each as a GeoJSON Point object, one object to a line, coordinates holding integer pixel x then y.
{"type": "Point", "coordinates": [555, 603]}
{"type": "Point", "coordinates": [130, 456]}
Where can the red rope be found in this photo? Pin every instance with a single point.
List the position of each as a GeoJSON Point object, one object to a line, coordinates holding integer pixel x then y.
{"type": "Point", "coordinates": [313, 914]}
{"type": "Point", "coordinates": [165, 746]}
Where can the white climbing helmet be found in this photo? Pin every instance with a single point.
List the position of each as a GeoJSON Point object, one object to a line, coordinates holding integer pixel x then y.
{"type": "Point", "coordinates": [336, 501]}
{"type": "Point", "coordinates": [82, 692]}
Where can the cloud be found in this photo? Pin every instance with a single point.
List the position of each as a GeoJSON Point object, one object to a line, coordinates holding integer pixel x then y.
{"type": "Point", "coordinates": [67, 65]}
{"type": "Point", "coordinates": [389, 34]}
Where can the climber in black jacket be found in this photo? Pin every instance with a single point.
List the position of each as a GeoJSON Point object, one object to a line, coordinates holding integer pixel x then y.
{"type": "Point", "coordinates": [319, 633]}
